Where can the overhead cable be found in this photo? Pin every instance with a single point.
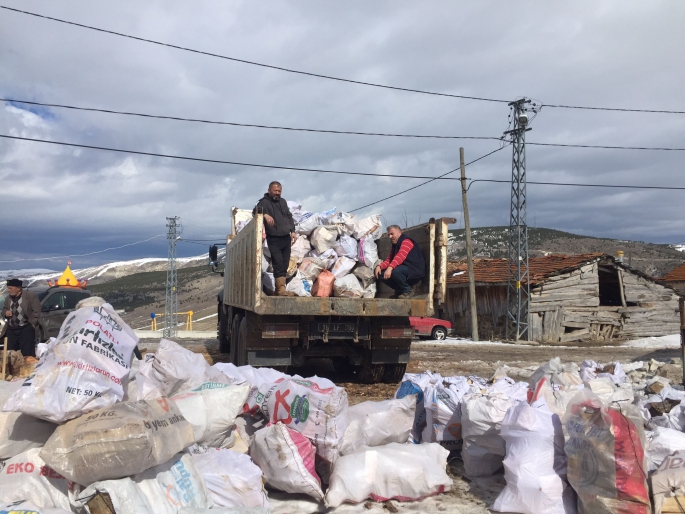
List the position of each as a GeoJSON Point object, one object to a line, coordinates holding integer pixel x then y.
{"type": "Point", "coordinates": [215, 161]}
{"type": "Point", "coordinates": [323, 131]}
{"type": "Point", "coordinates": [319, 75]}
{"type": "Point", "coordinates": [572, 184]}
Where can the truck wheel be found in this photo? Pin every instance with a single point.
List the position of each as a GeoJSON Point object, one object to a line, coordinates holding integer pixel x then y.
{"type": "Point", "coordinates": [370, 373]}
{"type": "Point", "coordinates": [235, 329]}
{"type": "Point", "coordinates": [342, 366]}
{"type": "Point", "coordinates": [394, 373]}
{"type": "Point", "coordinates": [439, 333]}
{"type": "Point", "coordinates": [241, 348]}
{"type": "Point", "coordinates": [224, 332]}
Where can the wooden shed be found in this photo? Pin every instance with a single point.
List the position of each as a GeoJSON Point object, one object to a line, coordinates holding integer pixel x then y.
{"type": "Point", "coordinates": [573, 298]}
{"type": "Point", "coordinates": [675, 278]}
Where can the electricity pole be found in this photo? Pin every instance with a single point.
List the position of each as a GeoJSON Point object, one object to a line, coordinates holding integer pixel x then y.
{"type": "Point", "coordinates": [171, 305]}
{"type": "Point", "coordinates": [518, 286]}
{"type": "Point", "coordinates": [469, 250]}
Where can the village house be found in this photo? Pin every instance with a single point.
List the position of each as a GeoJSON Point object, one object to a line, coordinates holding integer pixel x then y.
{"type": "Point", "coordinates": [676, 279]}
{"type": "Point", "coordinates": [573, 298]}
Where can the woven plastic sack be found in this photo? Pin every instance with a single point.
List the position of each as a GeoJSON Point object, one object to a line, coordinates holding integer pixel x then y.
{"type": "Point", "coordinates": [311, 267]}
{"type": "Point", "coordinates": [368, 252]}
{"type": "Point", "coordinates": [26, 477]}
{"type": "Point", "coordinates": [84, 371]}
{"type": "Point", "coordinates": [378, 423]}
{"type": "Point", "coordinates": [416, 384]}
{"type": "Point", "coordinates": [347, 246]}
{"type": "Point", "coordinates": [299, 285]}
{"type": "Point", "coordinates": [342, 267]}
{"type": "Point", "coordinates": [443, 413]}
{"type": "Point", "coordinates": [370, 291]}
{"type": "Point", "coordinates": [344, 221]}
{"type": "Point", "coordinates": [323, 238]}
{"type": "Point", "coordinates": [668, 485]}
{"type": "Point", "coordinates": [406, 472]}
{"type": "Point", "coordinates": [232, 479]}
{"type": "Point", "coordinates": [535, 464]}
{"type": "Point", "coordinates": [348, 286]}
{"type": "Point", "coordinates": [173, 369]}
{"type": "Point", "coordinates": [299, 249]}
{"type": "Point", "coordinates": [365, 276]}
{"type": "Point", "coordinates": [211, 409]}
{"type": "Point", "coordinates": [370, 226]}
{"type": "Point", "coordinates": [122, 440]}
{"type": "Point", "coordinates": [562, 375]}
{"type": "Point", "coordinates": [286, 458]}
{"type": "Point", "coordinates": [323, 285]}
{"type": "Point", "coordinates": [664, 442]}
{"type": "Point", "coordinates": [606, 460]}
{"type": "Point", "coordinates": [329, 256]}
{"type": "Point", "coordinates": [20, 432]}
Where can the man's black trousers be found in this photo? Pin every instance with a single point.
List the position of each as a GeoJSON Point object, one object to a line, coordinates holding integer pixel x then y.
{"type": "Point", "coordinates": [23, 339]}
{"type": "Point", "coordinates": [279, 247]}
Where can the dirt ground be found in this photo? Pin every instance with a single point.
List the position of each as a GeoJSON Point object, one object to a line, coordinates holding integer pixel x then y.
{"type": "Point", "coordinates": [452, 358]}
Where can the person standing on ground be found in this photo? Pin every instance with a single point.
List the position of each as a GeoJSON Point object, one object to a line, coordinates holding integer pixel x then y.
{"type": "Point", "coordinates": [404, 266]}
{"type": "Point", "coordinates": [22, 311]}
{"type": "Point", "coordinates": [280, 233]}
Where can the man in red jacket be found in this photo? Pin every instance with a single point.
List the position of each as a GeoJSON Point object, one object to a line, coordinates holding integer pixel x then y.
{"type": "Point", "coordinates": [404, 266]}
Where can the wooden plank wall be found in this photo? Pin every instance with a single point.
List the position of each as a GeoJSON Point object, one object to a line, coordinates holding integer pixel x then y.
{"type": "Point", "coordinates": [654, 311]}
{"type": "Point", "coordinates": [491, 303]}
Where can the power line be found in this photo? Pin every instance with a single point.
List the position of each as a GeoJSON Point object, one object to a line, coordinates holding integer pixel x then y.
{"type": "Point", "coordinates": [319, 75]}
{"type": "Point", "coordinates": [215, 161]}
{"type": "Point", "coordinates": [322, 131]}
{"type": "Point", "coordinates": [617, 186]}
{"type": "Point", "coordinates": [86, 254]}
{"type": "Point", "coordinates": [427, 182]}
{"type": "Point", "coordinates": [254, 63]}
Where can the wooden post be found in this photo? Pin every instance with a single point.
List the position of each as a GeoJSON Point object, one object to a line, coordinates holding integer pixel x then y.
{"type": "Point", "coordinates": [4, 359]}
{"type": "Point", "coordinates": [469, 250]}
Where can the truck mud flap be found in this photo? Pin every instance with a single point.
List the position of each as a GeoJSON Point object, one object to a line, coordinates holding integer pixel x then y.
{"type": "Point", "coordinates": [269, 358]}
{"type": "Point", "coordinates": [390, 355]}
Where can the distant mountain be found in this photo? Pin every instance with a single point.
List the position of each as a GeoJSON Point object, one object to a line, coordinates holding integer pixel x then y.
{"type": "Point", "coordinates": [653, 259]}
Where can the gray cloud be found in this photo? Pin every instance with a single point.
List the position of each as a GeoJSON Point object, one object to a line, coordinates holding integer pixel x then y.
{"type": "Point", "coordinates": [622, 54]}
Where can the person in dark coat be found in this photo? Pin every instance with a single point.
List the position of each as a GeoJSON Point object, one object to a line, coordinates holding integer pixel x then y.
{"type": "Point", "coordinates": [22, 311]}
{"type": "Point", "coordinates": [280, 233]}
{"type": "Point", "coordinates": [404, 266]}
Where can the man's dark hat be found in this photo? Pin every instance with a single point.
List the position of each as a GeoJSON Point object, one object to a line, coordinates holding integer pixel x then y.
{"type": "Point", "coordinates": [14, 282]}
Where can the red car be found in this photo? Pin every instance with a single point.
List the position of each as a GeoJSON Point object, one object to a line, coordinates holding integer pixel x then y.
{"type": "Point", "coordinates": [431, 327]}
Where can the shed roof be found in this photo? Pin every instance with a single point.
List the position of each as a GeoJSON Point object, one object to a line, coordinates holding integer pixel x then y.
{"type": "Point", "coordinates": [676, 275]}
{"type": "Point", "coordinates": [495, 271]}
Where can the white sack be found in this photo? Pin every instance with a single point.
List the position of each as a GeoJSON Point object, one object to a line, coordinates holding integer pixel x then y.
{"type": "Point", "coordinates": [378, 423]}
{"type": "Point", "coordinates": [26, 477]}
{"type": "Point", "coordinates": [84, 371]}
{"type": "Point", "coordinates": [443, 412]}
{"type": "Point", "coordinates": [557, 374]}
{"type": "Point", "coordinates": [287, 460]}
{"type": "Point", "coordinates": [308, 222]}
{"type": "Point", "coordinates": [299, 285]}
{"type": "Point", "coordinates": [315, 407]}
{"type": "Point", "coordinates": [668, 484]}
{"type": "Point", "coordinates": [211, 409]}
{"type": "Point", "coordinates": [416, 384]}
{"type": "Point", "coordinates": [535, 464]}
{"type": "Point", "coordinates": [311, 267]}
{"type": "Point", "coordinates": [590, 370]}
{"type": "Point", "coordinates": [370, 292]}
{"type": "Point", "coordinates": [329, 256]}
{"type": "Point", "coordinates": [368, 252]}
{"type": "Point", "coordinates": [365, 275]}
{"type": "Point", "coordinates": [347, 246]}
{"type": "Point", "coordinates": [557, 399]}
{"type": "Point", "coordinates": [172, 369]}
{"type": "Point", "coordinates": [119, 441]}
{"type": "Point", "coordinates": [257, 377]}
{"type": "Point", "coordinates": [323, 238]}
{"type": "Point", "coordinates": [348, 286]}
{"type": "Point", "coordinates": [513, 390]}
{"type": "Point", "coordinates": [407, 472]}
{"type": "Point", "coordinates": [22, 507]}
{"type": "Point", "coordinates": [300, 248]}
{"type": "Point", "coordinates": [20, 432]}
{"type": "Point", "coordinates": [664, 442]}
{"type": "Point", "coordinates": [481, 421]}
{"type": "Point", "coordinates": [344, 222]}
{"type": "Point", "coordinates": [342, 267]}
{"type": "Point", "coordinates": [295, 209]}
{"type": "Point", "coordinates": [232, 479]}
{"type": "Point", "coordinates": [231, 371]}
{"type": "Point", "coordinates": [370, 226]}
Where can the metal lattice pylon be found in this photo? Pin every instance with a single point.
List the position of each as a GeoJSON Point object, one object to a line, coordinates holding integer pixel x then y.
{"type": "Point", "coordinates": [171, 304]}
{"type": "Point", "coordinates": [518, 286]}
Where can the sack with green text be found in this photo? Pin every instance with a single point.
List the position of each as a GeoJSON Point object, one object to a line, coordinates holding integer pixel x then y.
{"type": "Point", "coordinates": [85, 370]}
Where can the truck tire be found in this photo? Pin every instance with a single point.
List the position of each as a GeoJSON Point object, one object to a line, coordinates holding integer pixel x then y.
{"type": "Point", "coordinates": [394, 373]}
{"type": "Point", "coordinates": [342, 366]}
{"type": "Point", "coordinates": [369, 373]}
{"type": "Point", "coordinates": [241, 347]}
{"type": "Point", "coordinates": [439, 333]}
{"type": "Point", "coordinates": [235, 330]}
{"type": "Point", "coordinates": [224, 332]}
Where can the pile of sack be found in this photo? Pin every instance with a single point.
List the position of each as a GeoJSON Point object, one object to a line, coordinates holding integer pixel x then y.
{"type": "Point", "coordinates": [172, 434]}
{"type": "Point", "coordinates": [334, 254]}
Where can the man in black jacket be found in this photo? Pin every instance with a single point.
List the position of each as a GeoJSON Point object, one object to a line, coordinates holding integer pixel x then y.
{"type": "Point", "coordinates": [280, 233]}
{"type": "Point", "coordinates": [22, 311]}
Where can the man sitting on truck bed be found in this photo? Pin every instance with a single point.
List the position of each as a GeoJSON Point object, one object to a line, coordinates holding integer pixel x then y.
{"type": "Point", "coordinates": [404, 266]}
{"type": "Point", "coordinates": [280, 233]}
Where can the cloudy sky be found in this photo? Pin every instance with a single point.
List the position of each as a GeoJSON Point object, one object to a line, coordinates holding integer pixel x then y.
{"type": "Point", "coordinates": [66, 201]}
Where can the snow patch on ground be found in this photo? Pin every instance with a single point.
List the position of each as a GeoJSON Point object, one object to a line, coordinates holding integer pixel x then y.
{"type": "Point", "coordinates": [670, 341]}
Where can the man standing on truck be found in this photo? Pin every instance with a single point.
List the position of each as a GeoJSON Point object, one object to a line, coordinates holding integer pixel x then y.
{"type": "Point", "coordinates": [280, 233]}
{"type": "Point", "coordinates": [404, 266]}
{"type": "Point", "coordinates": [22, 311]}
